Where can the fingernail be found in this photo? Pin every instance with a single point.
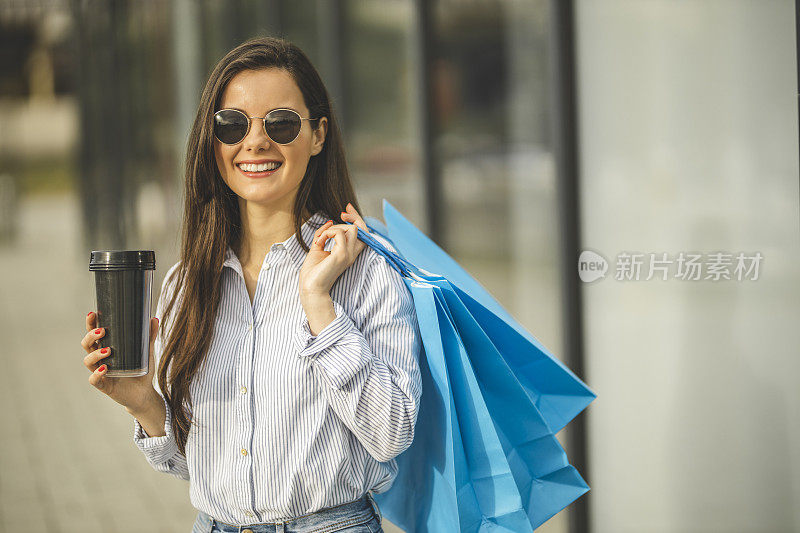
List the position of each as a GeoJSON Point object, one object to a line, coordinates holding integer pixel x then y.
{"type": "Point", "coordinates": [156, 320]}
{"type": "Point", "coordinates": [328, 222]}
{"type": "Point", "coordinates": [90, 313]}
{"type": "Point", "coordinates": [104, 351]}
{"type": "Point", "coordinates": [97, 331]}
{"type": "Point", "coordinates": [102, 368]}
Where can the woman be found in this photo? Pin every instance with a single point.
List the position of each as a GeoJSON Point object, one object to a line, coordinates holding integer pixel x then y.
{"type": "Point", "coordinates": [288, 375]}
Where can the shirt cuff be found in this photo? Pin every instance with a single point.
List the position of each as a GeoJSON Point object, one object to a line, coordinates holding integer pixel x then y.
{"type": "Point", "coordinates": [309, 345]}
{"type": "Point", "coordinates": [161, 449]}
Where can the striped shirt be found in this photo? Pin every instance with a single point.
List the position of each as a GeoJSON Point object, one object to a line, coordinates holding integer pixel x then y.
{"type": "Point", "coordinates": [286, 423]}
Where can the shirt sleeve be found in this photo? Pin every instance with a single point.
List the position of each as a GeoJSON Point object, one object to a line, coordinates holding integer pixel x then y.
{"type": "Point", "coordinates": [161, 452]}
{"type": "Point", "coordinates": [371, 365]}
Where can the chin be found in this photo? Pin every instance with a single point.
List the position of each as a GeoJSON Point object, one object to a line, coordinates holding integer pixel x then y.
{"type": "Point", "coordinates": [265, 196]}
{"type": "Point", "coordinates": [264, 191]}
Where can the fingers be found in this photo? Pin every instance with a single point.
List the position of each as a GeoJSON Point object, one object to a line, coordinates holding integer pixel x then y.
{"type": "Point", "coordinates": [319, 243]}
{"type": "Point", "coordinates": [153, 330]}
{"type": "Point", "coordinates": [91, 321]}
{"type": "Point", "coordinates": [339, 236]}
{"type": "Point", "coordinates": [97, 378]}
{"type": "Point", "coordinates": [92, 361]}
{"type": "Point", "coordinates": [347, 233]}
{"type": "Point", "coordinates": [327, 231]}
{"type": "Point", "coordinates": [322, 228]}
{"type": "Point", "coordinates": [351, 215]}
{"type": "Point", "coordinates": [89, 341]}
{"type": "Point", "coordinates": [154, 324]}
{"type": "Point", "coordinates": [96, 354]}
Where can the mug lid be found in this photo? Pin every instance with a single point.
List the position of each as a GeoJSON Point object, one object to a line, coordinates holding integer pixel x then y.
{"type": "Point", "coordinates": [122, 260]}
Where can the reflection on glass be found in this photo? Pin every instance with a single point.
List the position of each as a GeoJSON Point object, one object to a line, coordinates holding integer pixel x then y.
{"type": "Point", "coordinates": [383, 151]}
{"type": "Point", "coordinates": [497, 168]}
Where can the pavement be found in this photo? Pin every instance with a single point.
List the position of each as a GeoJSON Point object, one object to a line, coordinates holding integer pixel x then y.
{"type": "Point", "coordinates": [68, 461]}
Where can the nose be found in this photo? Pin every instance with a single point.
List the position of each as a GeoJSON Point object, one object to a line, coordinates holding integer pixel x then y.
{"type": "Point", "coordinates": [256, 138]}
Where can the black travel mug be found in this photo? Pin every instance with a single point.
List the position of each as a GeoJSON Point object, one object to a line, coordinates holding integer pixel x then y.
{"type": "Point", "coordinates": [123, 282]}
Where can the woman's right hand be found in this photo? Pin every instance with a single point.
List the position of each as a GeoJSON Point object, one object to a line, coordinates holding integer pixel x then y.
{"type": "Point", "coordinates": [135, 393]}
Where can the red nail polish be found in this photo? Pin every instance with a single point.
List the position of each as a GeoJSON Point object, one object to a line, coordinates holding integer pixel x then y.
{"type": "Point", "coordinates": [97, 331]}
{"type": "Point", "coordinates": [90, 313]}
{"type": "Point", "coordinates": [102, 368]}
{"type": "Point", "coordinates": [104, 351]}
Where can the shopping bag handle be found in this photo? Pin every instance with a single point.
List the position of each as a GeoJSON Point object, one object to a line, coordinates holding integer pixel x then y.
{"type": "Point", "coordinates": [396, 261]}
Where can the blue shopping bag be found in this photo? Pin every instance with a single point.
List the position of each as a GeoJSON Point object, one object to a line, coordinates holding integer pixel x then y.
{"type": "Point", "coordinates": [561, 395]}
{"type": "Point", "coordinates": [485, 456]}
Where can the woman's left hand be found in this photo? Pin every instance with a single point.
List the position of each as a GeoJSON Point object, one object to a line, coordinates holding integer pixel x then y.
{"type": "Point", "coordinates": [321, 268]}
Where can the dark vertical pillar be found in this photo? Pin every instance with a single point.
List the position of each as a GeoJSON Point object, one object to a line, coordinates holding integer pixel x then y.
{"type": "Point", "coordinates": [189, 64]}
{"type": "Point", "coordinates": [428, 123]}
{"type": "Point", "coordinates": [222, 29]}
{"type": "Point", "coordinates": [565, 144]}
{"type": "Point", "coordinates": [269, 14]}
{"type": "Point", "coordinates": [106, 176]}
{"type": "Point", "coordinates": [205, 40]}
{"type": "Point", "coordinates": [797, 56]}
{"type": "Point", "coordinates": [81, 50]}
{"type": "Point", "coordinates": [120, 149]}
{"type": "Point", "coordinates": [331, 30]}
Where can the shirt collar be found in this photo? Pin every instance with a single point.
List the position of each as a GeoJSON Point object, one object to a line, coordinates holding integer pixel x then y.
{"type": "Point", "coordinates": [292, 246]}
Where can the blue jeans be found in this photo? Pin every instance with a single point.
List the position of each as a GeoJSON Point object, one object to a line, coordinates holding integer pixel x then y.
{"type": "Point", "coordinates": [360, 516]}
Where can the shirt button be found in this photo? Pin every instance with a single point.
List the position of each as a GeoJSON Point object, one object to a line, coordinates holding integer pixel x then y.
{"type": "Point", "coordinates": [247, 530]}
{"type": "Point", "coordinates": [243, 389]}
{"type": "Point", "coordinates": [244, 452]}
{"type": "Point", "coordinates": [248, 513]}
{"type": "Point", "coordinates": [250, 327]}
{"type": "Point", "coordinates": [267, 266]}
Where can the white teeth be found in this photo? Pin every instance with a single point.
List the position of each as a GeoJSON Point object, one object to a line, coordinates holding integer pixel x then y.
{"type": "Point", "coordinates": [261, 167]}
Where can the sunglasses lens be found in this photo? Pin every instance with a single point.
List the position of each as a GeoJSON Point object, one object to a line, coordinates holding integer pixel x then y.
{"type": "Point", "coordinates": [230, 126]}
{"type": "Point", "coordinates": [283, 126]}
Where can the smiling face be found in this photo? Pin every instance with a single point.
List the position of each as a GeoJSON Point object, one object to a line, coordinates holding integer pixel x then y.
{"type": "Point", "coordinates": [256, 93]}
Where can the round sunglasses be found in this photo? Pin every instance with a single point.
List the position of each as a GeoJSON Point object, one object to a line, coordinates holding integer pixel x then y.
{"type": "Point", "coordinates": [282, 125]}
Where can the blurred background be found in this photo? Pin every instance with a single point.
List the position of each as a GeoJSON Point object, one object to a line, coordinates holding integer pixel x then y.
{"type": "Point", "coordinates": [515, 133]}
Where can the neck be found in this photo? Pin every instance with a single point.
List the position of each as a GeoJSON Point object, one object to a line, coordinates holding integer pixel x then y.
{"type": "Point", "coordinates": [262, 226]}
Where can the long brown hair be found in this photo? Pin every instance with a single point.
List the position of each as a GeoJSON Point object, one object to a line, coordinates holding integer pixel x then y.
{"type": "Point", "coordinates": [211, 214]}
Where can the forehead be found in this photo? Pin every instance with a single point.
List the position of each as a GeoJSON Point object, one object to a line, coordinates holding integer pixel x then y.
{"type": "Point", "coordinates": [258, 91]}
